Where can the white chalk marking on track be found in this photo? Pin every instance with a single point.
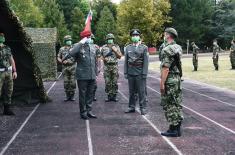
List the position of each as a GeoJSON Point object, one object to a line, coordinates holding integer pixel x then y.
{"type": "Point", "coordinates": [197, 113]}
{"type": "Point", "coordinates": [25, 122]}
{"type": "Point", "coordinates": [201, 94]}
{"type": "Point", "coordinates": [90, 146]}
{"type": "Point", "coordinates": [157, 130]}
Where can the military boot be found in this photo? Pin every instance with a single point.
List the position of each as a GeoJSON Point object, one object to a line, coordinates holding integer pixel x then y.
{"type": "Point", "coordinates": [72, 96]}
{"type": "Point", "coordinates": [114, 98]}
{"type": "Point", "coordinates": [171, 132]}
{"type": "Point", "coordinates": [108, 99]}
{"type": "Point", "coordinates": [143, 111]}
{"type": "Point", "coordinates": [67, 97]}
{"type": "Point", "coordinates": [216, 68]}
{"type": "Point", "coordinates": [179, 129]}
{"type": "Point", "coordinates": [8, 111]}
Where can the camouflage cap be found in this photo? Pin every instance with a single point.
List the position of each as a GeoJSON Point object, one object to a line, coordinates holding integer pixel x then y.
{"type": "Point", "coordinates": [67, 37]}
{"type": "Point", "coordinates": [1, 34]}
{"type": "Point", "coordinates": [135, 32]}
{"type": "Point", "coordinates": [172, 31]}
{"type": "Point", "coordinates": [110, 36]}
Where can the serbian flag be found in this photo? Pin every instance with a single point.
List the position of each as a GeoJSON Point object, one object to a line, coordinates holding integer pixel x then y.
{"type": "Point", "coordinates": [87, 30]}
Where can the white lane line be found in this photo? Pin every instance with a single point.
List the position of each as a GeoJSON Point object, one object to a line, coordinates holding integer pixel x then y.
{"type": "Point", "coordinates": [197, 113]}
{"type": "Point", "coordinates": [90, 146]}
{"type": "Point", "coordinates": [25, 122]}
{"type": "Point", "coordinates": [202, 94]}
{"type": "Point", "coordinates": [156, 129]}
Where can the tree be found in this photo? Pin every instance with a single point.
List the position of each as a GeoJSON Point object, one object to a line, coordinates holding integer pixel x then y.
{"type": "Point", "coordinates": [223, 26]}
{"type": "Point", "coordinates": [192, 19]}
{"type": "Point", "coordinates": [27, 12]}
{"type": "Point", "coordinates": [105, 25]}
{"type": "Point", "coordinates": [78, 21]}
{"type": "Point", "coordinates": [53, 17]}
{"type": "Point", "coordinates": [67, 6]}
{"type": "Point", "coordinates": [147, 15]}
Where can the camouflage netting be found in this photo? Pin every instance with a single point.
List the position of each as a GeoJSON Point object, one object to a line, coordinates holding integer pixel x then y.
{"type": "Point", "coordinates": [44, 45]}
{"type": "Point", "coordinates": [28, 88]}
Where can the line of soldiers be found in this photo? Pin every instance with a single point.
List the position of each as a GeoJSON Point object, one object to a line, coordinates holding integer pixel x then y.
{"type": "Point", "coordinates": [215, 57]}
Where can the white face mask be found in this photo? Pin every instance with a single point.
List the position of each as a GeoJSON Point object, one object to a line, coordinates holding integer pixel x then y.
{"type": "Point", "coordinates": [88, 40]}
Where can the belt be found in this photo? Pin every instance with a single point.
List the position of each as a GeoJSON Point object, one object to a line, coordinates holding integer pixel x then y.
{"type": "Point", "coordinates": [136, 65]}
{"type": "Point", "coordinates": [6, 69]}
{"type": "Point", "coordinates": [110, 64]}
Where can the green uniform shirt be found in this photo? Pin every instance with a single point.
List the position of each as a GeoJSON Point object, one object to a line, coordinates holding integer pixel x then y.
{"type": "Point", "coordinates": [168, 57]}
{"type": "Point", "coordinates": [109, 55]}
{"type": "Point", "coordinates": [5, 56]}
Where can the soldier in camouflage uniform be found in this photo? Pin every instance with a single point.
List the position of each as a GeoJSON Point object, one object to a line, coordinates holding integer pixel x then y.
{"type": "Point", "coordinates": [7, 74]}
{"type": "Point", "coordinates": [216, 50]}
{"type": "Point", "coordinates": [97, 65]}
{"type": "Point", "coordinates": [195, 56]}
{"type": "Point", "coordinates": [136, 70]}
{"type": "Point", "coordinates": [110, 54]}
{"type": "Point", "coordinates": [170, 85]}
{"type": "Point", "coordinates": [232, 54]}
{"type": "Point", "coordinates": [69, 68]}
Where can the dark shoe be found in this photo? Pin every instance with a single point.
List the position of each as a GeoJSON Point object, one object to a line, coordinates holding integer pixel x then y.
{"type": "Point", "coordinates": [66, 99]}
{"type": "Point", "coordinates": [72, 98]}
{"type": "Point", "coordinates": [114, 98]}
{"type": "Point", "coordinates": [130, 111]}
{"type": "Point", "coordinates": [90, 115]}
{"type": "Point", "coordinates": [7, 111]}
{"type": "Point", "coordinates": [146, 100]}
{"type": "Point", "coordinates": [85, 117]}
{"type": "Point", "coordinates": [94, 99]}
{"type": "Point", "coordinates": [108, 99]}
{"type": "Point", "coordinates": [179, 129]}
{"type": "Point", "coordinates": [143, 111]}
{"type": "Point", "coordinates": [172, 132]}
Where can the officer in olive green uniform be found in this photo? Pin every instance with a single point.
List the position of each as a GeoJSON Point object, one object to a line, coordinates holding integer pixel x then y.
{"type": "Point", "coordinates": [170, 85]}
{"type": "Point", "coordinates": [85, 54]}
{"type": "Point", "coordinates": [232, 54]}
{"type": "Point", "coordinates": [7, 74]}
{"type": "Point", "coordinates": [97, 65]}
{"type": "Point", "coordinates": [110, 54]}
{"type": "Point", "coordinates": [216, 50]}
{"type": "Point", "coordinates": [195, 56]}
{"type": "Point", "coordinates": [136, 70]}
{"type": "Point", "coordinates": [69, 67]}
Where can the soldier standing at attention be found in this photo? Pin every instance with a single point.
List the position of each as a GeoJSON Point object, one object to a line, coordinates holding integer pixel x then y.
{"type": "Point", "coordinates": [195, 56]}
{"type": "Point", "coordinates": [97, 66]}
{"type": "Point", "coordinates": [85, 54]}
{"type": "Point", "coordinates": [136, 70]}
{"type": "Point", "coordinates": [7, 74]}
{"type": "Point", "coordinates": [69, 68]}
{"type": "Point", "coordinates": [232, 54]}
{"type": "Point", "coordinates": [170, 85]}
{"type": "Point", "coordinates": [216, 50]}
{"type": "Point", "coordinates": [110, 54]}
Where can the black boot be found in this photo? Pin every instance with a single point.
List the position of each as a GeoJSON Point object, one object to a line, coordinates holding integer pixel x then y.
{"type": "Point", "coordinates": [114, 98]}
{"type": "Point", "coordinates": [72, 98]}
{"type": "Point", "coordinates": [108, 99]}
{"type": "Point", "coordinates": [94, 99]}
{"type": "Point", "coordinates": [216, 68]}
{"type": "Point", "coordinates": [172, 132]}
{"type": "Point", "coordinates": [90, 115]}
{"type": "Point", "coordinates": [179, 129]}
{"type": "Point", "coordinates": [8, 111]}
{"type": "Point", "coordinates": [143, 111]}
{"type": "Point", "coordinates": [66, 99]}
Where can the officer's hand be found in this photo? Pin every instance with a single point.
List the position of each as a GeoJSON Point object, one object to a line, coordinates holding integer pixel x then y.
{"type": "Point", "coordinates": [14, 75]}
{"type": "Point", "coordinates": [162, 89]}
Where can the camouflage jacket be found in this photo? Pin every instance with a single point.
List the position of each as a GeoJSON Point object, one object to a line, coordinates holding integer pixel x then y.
{"type": "Point", "coordinates": [216, 50]}
{"type": "Point", "coordinates": [109, 55]}
{"type": "Point", "coordinates": [195, 49]}
{"type": "Point", "coordinates": [5, 55]}
{"type": "Point", "coordinates": [62, 53]}
{"type": "Point", "coordinates": [169, 56]}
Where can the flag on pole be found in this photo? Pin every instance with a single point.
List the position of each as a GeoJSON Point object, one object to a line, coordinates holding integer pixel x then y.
{"type": "Point", "coordinates": [87, 30]}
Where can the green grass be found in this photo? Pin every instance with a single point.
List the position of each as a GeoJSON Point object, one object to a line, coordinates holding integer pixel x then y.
{"type": "Point", "coordinates": [224, 78]}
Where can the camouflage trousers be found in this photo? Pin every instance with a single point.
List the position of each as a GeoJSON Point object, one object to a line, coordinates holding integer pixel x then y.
{"type": "Point", "coordinates": [69, 81]}
{"type": "Point", "coordinates": [216, 61]}
{"type": "Point", "coordinates": [172, 100]}
{"type": "Point", "coordinates": [232, 59]}
{"type": "Point", "coordinates": [195, 60]}
{"type": "Point", "coordinates": [111, 78]}
{"type": "Point", "coordinates": [6, 87]}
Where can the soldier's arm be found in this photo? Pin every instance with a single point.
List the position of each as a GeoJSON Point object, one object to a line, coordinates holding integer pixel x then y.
{"type": "Point", "coordinates": [73, 52]}
{"type": "Point", "coordinates": [14, 73]}
{"type": "Point", "coordinates": [145, 63]}
{"type": "Point", "coordinates": [117, 51]}
{"type": "Point", "coordinates": [125, 63]}
{"type": "Point", "coordinates": [164, 75]}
